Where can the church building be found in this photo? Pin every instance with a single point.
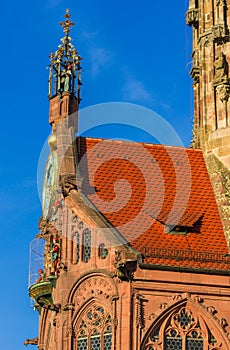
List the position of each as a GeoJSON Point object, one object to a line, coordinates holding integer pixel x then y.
{"type": "Point", "coordinates": [145, 267]}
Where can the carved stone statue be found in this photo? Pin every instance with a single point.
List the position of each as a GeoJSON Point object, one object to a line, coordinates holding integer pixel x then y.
{"type": "Point", "coordinates": [221, 66]}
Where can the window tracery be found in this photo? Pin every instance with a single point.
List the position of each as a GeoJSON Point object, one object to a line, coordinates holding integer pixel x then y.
{"type": "Point", "coordinates": [181, 330]}
{"type": "Point", "coordinates": [94, 332]}
{"type": "Point", "coordinates": [86, 245]}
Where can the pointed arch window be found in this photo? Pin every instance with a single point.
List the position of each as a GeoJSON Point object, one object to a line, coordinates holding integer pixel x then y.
{"type": "Point", "coordinates": [75, 248]}
{"type": "Point", "coordinates": [94, 331]}
{"type": "Point", "coordinates": [181, 330]}
{"type": "Point", "coordinates": [86, 245]}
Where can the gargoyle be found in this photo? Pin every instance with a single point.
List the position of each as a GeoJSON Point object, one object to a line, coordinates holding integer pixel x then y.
{"type": "Point", "coordinates": [33, 341]}
{"type": "Point", "coordinates": [68, 183]}
{"type": "Point", "coordinates": [52, 307]}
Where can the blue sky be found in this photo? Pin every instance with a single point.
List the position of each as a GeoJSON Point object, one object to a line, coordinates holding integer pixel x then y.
{"type": "Point", "coordinates": [136, 52]}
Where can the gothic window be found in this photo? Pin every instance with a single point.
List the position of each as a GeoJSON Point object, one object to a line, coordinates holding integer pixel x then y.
{"type": "Point", "coordinates": [75, 248]}
{"type": "Point", "coordinates": [102, 251]}
{"type": "Point", "coordinates": [86, 245]}
{"type": "Point", "coordinates": [94, 332]}
{"type": "Point", "coordinates": [181, 330]}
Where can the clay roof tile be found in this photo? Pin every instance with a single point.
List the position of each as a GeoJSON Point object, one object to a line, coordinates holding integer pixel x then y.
{"type": "Point", "coordinates": [157, 197]}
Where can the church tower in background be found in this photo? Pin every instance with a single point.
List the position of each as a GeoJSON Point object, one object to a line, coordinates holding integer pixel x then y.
{"type": "Point", "coordinates": [210, 22]}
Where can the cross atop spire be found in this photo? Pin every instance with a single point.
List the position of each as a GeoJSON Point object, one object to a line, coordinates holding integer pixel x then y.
{"type": "Point", "coordinates": [65, 64]}
{"type": "Point", "coordinates": [67, 24]}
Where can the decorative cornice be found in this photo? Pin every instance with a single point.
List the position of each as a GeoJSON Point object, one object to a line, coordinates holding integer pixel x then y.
{"type": "Point", "coordinates": [192, 17]}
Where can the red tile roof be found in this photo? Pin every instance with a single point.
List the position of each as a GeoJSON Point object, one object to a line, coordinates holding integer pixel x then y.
{"type": "Point", "coordinates": [147, 190]}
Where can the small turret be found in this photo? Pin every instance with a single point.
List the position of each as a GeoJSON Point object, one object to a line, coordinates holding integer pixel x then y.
{"type": "Point", "coordinates": [65, 67]}
{"type": "Point", "coordinates": [64, 77]}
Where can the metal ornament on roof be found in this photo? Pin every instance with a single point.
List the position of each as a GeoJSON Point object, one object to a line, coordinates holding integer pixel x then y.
{"type": "Point", "coordinates": [65, 68]}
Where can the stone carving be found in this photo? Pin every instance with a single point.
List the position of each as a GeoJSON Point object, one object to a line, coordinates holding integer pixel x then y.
{"type": "Point", "coordinates": [211, 310]}
{"type": "Point", "coordinates": [223, 92]}
{"type": "Point", "coordinates": [221, 81]}
{"type": "Point", "coordinates": [192, 17]}
{"type": "Point", "coordinates": [46, 228]}
{"type": "Point", "coordinates": [177, 297]}
{"type": "Point", "coordinates": [61, 266]}
{"type": "Point", "coordinates": [68, 183]}
{"type": "Point", "coordinates": [74, 219]}
{"type": "Point", "coordinates": [219, 33]}
{"type": "Point", "coordinates": [52, 307]}
{"type": "Point", "coordinates": [97, 286]}
{"type": "Point", "coordinates": [223, 323]}
{"type": "Point", "coordinates": [152, 317]}
{"type": "Point", "coordinates": [198, 299]}
{"type": "Point", "coordinates": [221, 67]}
{"type": "Point", "coordinates": [33, 341]}
{"type": "Point", "coordinates": [125, 268]}
{"type": "Point", "coordinates": [163, 306]}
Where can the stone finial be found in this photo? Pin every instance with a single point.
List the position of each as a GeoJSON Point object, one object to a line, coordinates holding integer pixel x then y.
{"type": "Point", "coordinates": [65, 64]}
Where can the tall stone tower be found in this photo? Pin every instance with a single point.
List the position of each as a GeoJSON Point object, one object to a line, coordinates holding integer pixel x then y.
{"type": "Point", "coordinates": [210, 22]}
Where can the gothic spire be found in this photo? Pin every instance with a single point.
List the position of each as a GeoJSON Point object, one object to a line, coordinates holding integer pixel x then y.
{"type": "Point", "coordinates": [65, 69]}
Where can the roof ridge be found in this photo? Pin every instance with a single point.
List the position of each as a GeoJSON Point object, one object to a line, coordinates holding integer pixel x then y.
{"type": "Point", "coordinates": [139, 142]}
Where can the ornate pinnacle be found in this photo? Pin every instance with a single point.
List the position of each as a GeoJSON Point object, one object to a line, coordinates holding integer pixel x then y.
{"type": "Point", "coordinates": [64, 64]}
{"type": "Point", "coordinates": [67, 24]}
